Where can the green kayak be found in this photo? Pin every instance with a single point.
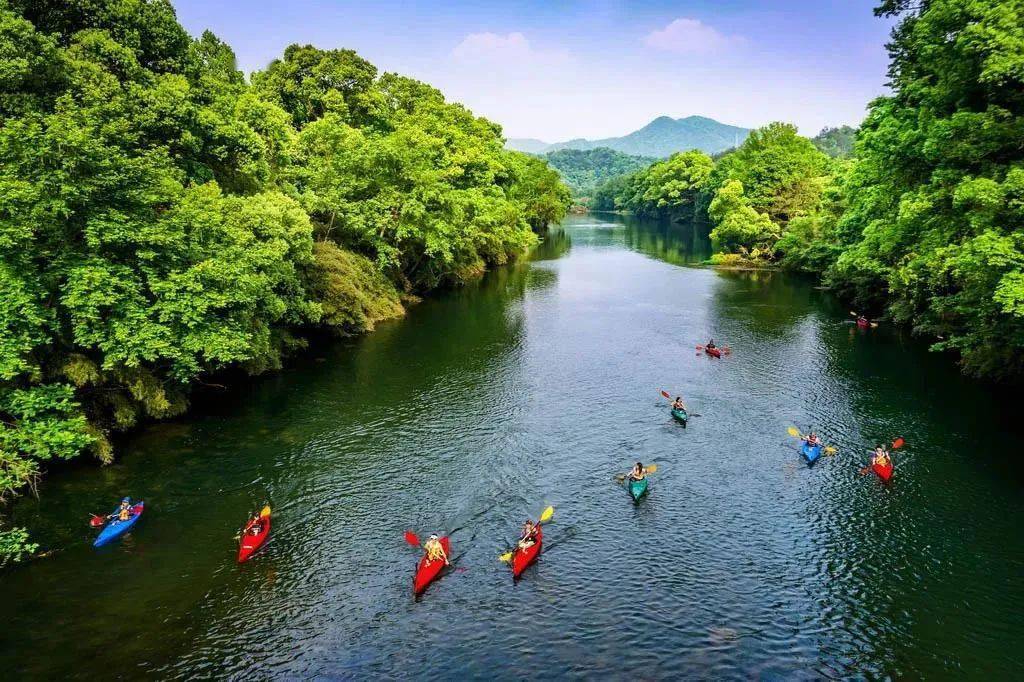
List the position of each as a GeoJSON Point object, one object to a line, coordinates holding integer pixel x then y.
{"type": "Point", "coordinates": [637, 488]}
{"type": "Point", "coordinates": [680, 416]}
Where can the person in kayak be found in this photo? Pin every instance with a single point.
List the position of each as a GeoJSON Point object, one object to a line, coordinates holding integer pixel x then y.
{"type": "Point", "coordinates": [256, 524]}
{"type": "Point", "coordinates": [638, 473]}
{"type": "Point", "coordinates": [813, 440]}
{"type": "Point", "coordinates": [528, 538]}
{"type": "Point", "coordinates": [710, 345]}
{"type": "Point", "coordinates": [862, 321]}
{"type": "Point", "coordinates": [881, 456]}
{"type": "Point", "coordinates": [435, 550]}
{"type": "Point", "coordinates": [678, 404]}
{"type": "Point", "coordinates": [124, 512]}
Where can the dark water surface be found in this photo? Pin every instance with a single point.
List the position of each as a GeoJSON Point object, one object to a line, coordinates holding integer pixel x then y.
{"type": "Point", "coordinates": [532, 388]}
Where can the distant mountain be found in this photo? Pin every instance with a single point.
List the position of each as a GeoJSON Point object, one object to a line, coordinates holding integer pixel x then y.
{"type": "Point", "coordinates": [584, 170]}
{"type": "Point", "coordinates": [528, 145]}
{"type": "Point", "coordinates": [661, 137]}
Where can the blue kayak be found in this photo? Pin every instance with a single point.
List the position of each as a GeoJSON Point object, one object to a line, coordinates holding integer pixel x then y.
{"type": "Point", "coordinates": [637, 488]}
{"type": "Point", "coordinates": [811, 452]}
{"type": "Point", "coordinates": [115, 529]}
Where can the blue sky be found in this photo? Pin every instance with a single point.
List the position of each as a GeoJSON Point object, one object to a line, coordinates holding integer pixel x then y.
{"type": "Point", "coordinates": [557, 70]}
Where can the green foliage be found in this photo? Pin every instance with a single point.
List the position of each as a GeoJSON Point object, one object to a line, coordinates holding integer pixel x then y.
{"type": "Point", "coordinates": [353, 293]}
{"type": "Point", "coordinates": [836, 142]}
{"type": "Point", "coordinates": [668, 188]}
{"type": "Point", "coordinates": [584, 171]}
{"type": "Point", "coordinates": [738, 226]}
{"type": "Point", "coordinates": [14, 546]}
{"type": "Point", "coordinates": [933, 229]}
{"type": "Point", "coordinates": [158, 215]}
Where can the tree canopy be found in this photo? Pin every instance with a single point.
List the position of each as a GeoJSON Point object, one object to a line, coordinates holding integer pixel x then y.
{"type": "Point", "coordinates": [162, 220]}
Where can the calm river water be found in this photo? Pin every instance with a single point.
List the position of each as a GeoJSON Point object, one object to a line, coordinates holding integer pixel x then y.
{"type": "Point", "coordinates": [531, 388]}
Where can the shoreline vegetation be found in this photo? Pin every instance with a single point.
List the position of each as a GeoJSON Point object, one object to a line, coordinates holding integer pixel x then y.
{"type": "Point", "coordinates": [917, 216]}
{"type": "Point", "coordinates": [164, 219]}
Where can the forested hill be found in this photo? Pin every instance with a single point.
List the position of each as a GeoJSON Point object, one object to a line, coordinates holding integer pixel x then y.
{"type": "Point", "coordinates": [163, 219]}
{"type": "Point", "coordinates": [583, 171]}
{"type": "Point", "coordinates": [923, 223]}
{"type": "Point", "coordinates": [660, 138]}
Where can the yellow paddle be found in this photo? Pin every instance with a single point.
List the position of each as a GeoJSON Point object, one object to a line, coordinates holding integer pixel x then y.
{"type": "Point", "coordinates": [792, 430]}
{"type": "Point", "coordinates": [828, 449]}
{"type": "Point", "coordinates": [545, 516]}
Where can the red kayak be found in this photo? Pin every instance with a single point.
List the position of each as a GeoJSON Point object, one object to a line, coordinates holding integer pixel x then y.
{"type": "Point", "coordinates": [863, 324]}
{"type": "Point", "coordinates": [426, 571]}
{"type": "Point", "coordinates": [884, 471]}
{"type": "Point", "coordinates": [522, 558]}
{"type": "Point", "coordinates": [250, 543]}
{"type": "Point", "coordinates": [713, 352]}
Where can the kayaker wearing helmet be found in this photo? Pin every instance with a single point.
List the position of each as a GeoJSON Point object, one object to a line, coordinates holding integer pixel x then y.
{"type": "Point", "coordinates": [678, 403]}
{"type": "Point", "coordinates": [435, 550]}
{"type": "Point", "coordinates": [124, 512]}
{"type": "Point", "coordinates": [528, 538]}
{"type": "Point", "coordinates": [638, 473]}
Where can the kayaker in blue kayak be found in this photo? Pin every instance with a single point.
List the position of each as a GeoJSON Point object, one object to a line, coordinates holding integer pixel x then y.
{"type": "Point", "coordinates": [124, 512]}
{"type": "Point", "coordinates": [678, 403]}
{"type": "Point", "coordinates": [813, 440]}
{"type": "Point", "coordinates": [638, 473]}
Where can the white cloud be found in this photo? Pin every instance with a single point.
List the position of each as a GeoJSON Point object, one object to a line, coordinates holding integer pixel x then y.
{"type": "Point", "coordinates": [690, 36]}
{"type": "Point", "coordinates": [512, 49]}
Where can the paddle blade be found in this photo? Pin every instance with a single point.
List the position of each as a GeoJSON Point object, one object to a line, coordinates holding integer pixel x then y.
{"type": "Point", "coordinates": [831, 450]}
{"type": "Point", "coordinates": [792, 430]}
{"type": "Point", "coordinates": [665, 393]}
{"type": "Point", "coordinates": [700, 347]}
{"type": "Point", "coordinates": [506, 557]}
{"type": "Point", "coordinates": [547, 514]}
{"type": "Point", "coordinates": [651, 469]}
{"type": "Point", "coordinates": [411, 538]}
{"type": "Point", "coordinates": [97, 521]}
{"type": "Point", "coordinates": [898, 443]}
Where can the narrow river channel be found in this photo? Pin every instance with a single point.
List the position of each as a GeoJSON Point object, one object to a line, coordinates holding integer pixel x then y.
{"type": "Point", "coordinates": [536, 387]}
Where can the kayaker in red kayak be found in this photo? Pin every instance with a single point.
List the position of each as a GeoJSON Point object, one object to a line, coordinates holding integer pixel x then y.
{"type": "Point", "coordinates": [435, 550]}
{"type": "Point", "coordinates": [710, 346]}
{"type": "Point", "coordinates": [255, 525]}
{"type": "Point", "coordinates": [528, 538]}
{"type": "Point", "coordinates": [881, 457]}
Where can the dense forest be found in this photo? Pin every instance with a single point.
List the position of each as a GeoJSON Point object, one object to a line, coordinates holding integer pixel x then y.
{"type": "Point", "coordinates": [583, 171]}
{"type": "Point", "coordinates": [163, 218]}
{"type": "Point", "coordinates": [924, 222]}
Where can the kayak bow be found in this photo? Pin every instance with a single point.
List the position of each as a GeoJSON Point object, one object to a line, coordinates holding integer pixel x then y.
{"type": "Point", "coordinates": [810, 452]}
{"type": "Point", "coordinates": [116, 528]}
{"type": "Point", "coordinates": [250, 543]}
{"type": "Point", "coordinates": [680, 416]}
{"type": "Point", "coordinates": [637, 489]}
{"type": "Point", "coordinates": [427, 571]}
{"type": "Point", "coordinates": [521, 558]}
{"type": "Point", "coordinates": [884, 472]}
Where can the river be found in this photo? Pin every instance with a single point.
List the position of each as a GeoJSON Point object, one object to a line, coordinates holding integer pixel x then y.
{"type": "Point", "coordinates": [535, 387]}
